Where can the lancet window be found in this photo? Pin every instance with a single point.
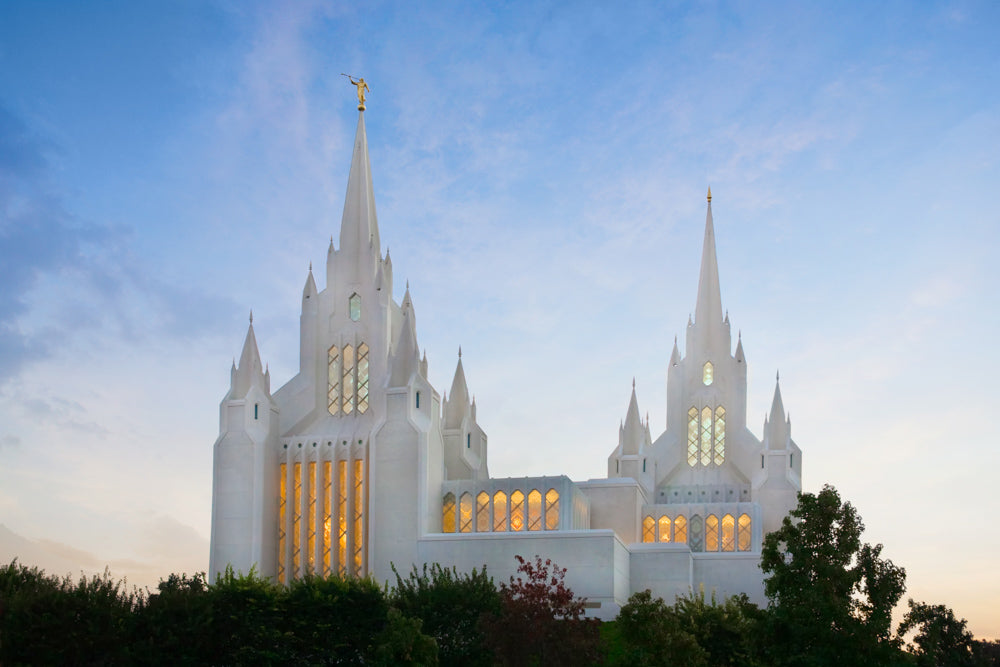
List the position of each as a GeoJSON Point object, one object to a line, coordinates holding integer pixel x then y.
{"type": "Point", "coordinates": [663, 529]}
{"type": "Point", "coordinates": [707, 373]}
{"type": "Point", "coordinates": [327, 517]}
{"type": "Point", "coordinates": [728, 533]}
{"type": "Point", "coordinates": [311, 520]}
{"type": "Point", "coordinates": [348, 372]}
{"type": "Point", "coordinates": [465, 513]}
{"type": "Point", "coordinates": [696, 533]}
{"type": "Point", "coordinates": [359, 527]}
{"type": "Point", "coordinates": [354, 307]}
{"type": "Point", "coordinates": [483, 512]}
{"type": "Point", "coordinates": [499, 512]}
{"type": "Point", "coordinates": [706, 436]}
{"type": "Point", "coordinates": [333, 381]}
{"type": "Point", "coordinates": [282, 491]}
{"type": "Point", "coordinates": [296, 515]}
{"type": "Point", "coordinates": [648, 529]}
{"type": "Point", "coordinates": [712, 533]}
{"type": "Point", "coordinates": [342, 518]}
{"type": "Point", "coordinates": [448, 513]}
{"type": "Point", "coordinates": [552, 510]}
{"type": "Point", "coordinates": [745, 535]}
{"type": "Point", "coordinates": [680, 530]}
{"type": "Point", "coordinates": [517, 511]}
{"type": "Point", "coordinates": [534, 510]}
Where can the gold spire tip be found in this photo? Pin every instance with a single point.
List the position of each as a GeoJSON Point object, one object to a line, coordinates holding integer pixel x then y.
{"type": "Point", "coordinates": [362, 87]}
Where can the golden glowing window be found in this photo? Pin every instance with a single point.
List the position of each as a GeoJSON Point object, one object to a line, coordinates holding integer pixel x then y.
{"type": "Point", "coordinates": [706, 436]}
{"type": "Point", "coordinates": [311, 520]}
{"type": "Point", "coordinates": [296, 515]}
{"type": "Point", "coordinates": [692, 436]}
{"type": "Point", "coordinates": [327, 518]}
{"type": "Point", "coordinates": [500, 511]}
{"type": "Point", "coordinates": [483, 512]}
{"type": "Point", "coordinates": [362, 378]}
{"type": "Point", "coordinates": [282, 491]}
{"type": "Point", "coordinates": [728, 533]}
{"type": "Point", "coordinates": [465, 513]}
{"type": "Point", "coordinates": [359, 526]}
{"type": "Point", "coordinates": [663, 529]}
{"type": "Point", "coordinates": [348, 380]}
{"type": "Point", "coordinates": [517, 511]}
{"type": "Point", "coordinates": [712, 533]}
{"type": "Point", "coordinates": [448, 513]}
{"type": "Point", "coordinates": [354, 305]}
{"type": "Point", "coordinates": [707, 373]}
{"type": "Point", "coordinates": [333, 381]}
{"type": "Point", "coordinates": [552, 510]}
{"type": "Point", "coordinates": [720, 435]}
{"type": "Point", "coordinates": [680, 530]}
{"type": "Point", "coordinates": [342, 518]}
{"type": "Point", "coordinates": [745, 534]}
{"type": "Point", "coordinates": [648, 529]}
{"type": "Point", "coordinates": [535, 510]}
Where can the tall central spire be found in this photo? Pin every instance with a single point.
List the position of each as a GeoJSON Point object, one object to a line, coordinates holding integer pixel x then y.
{"type": "Point", "coordinates": [359, 225]}
{"type": "Point", "coordinates": [708, 310]}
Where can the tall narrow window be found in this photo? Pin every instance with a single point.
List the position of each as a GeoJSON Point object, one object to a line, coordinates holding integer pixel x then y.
{"type": "Point", "coordinates": [680, 530]}
{"type": "Point", "coordinates": [255, 410]}
{"type": "Point", "coordinates": [663, 528]}
{"type": "Point", "coordinates": [728, 533]}
{"type": "Point", "coordinates": [311, 520]}
{"type": "Point", "coordinates": [418, 401]}
{"type": "Point", "coordinates": [720, 435]}
{"type": "Point", "coordinates": [707, 373]}
{"type": "Point", "coordinates": [282, 491]}
{"type": "Point", "coordinates": [648, 529]}
{"type": "Point", "coordinates": [354, 305]}
{"type": "Point", "coordinates": [693, 436]}
{"type": "Point", "coordinates": [706, 436]}
{"type": "Point", "coordinates": [499, 512]}
{"type": "Point", "coordinates": [448, 513]}
{"type": "Point", "coordinates": [296, 516]}
{"type": "Point", "coordinates": [697, 533]}
{"type": "Point", "coordinates": [483, 512]}
{"type": "Point", "coordinates": [333, 380]}
{"type": "Point", "coordinates": [342, 518]}
{"type": "Point", "coordinates": [359, 517]}
{"type": "Point", "coordinates": [465, 513]}
{"type": "Point", "coordinates": [712, 533]}
{"type": "Point", "coordinates": [327, 517]}
{"type": "Point", "coordinates": [552, 510]}
{"type": "Point", "coordinates": [517, 511]}
{"type": "Point", "coordinates": [745, 534]}
{"type": "Point", "coordinates": [535, 510]}
{"type": "Point", "coordinates": [362, 379]}
{"type": "Point", "coordinates": [348, 380]}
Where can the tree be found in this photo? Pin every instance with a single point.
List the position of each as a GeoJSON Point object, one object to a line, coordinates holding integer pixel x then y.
{"type": "Point", "coordinates": [652, 636]}
{"type": "Point", "coordinates": [831, 596]}
{"type": "Point", "coordinates": [941, 640]}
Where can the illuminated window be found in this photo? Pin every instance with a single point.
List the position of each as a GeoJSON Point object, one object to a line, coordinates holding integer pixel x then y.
{"type": "Point", "coordinates": [354, 304]}
{"type": "Point", "coordinates": [348, 380]}
{"type": "Point", "coordinates": [680, 530]}
{"type": "Point", "coordinates": [282, 491]}
{"type": "Point", "coordinates": [499, 511]}
{"type": "Point", "coordinates": [712, 533]}
{"type": "Point", "coordinates": [465, 513]}
{"type": "Point", "coordinates": [311, 520]}
{"type": "Point", "coordinates": [745, 534]}
{"type": "Point", "coordinates": [692, 436]}
{"type": "Point", "coordinates": [362, 379]}
{"type": "Point", "coordinates": [448, 513]}
{"type": "Point", "coordinates": [720, 435]}
{"type": "Point", "coordinates": [517, 511]}
{"type": "Point", "coordinates": [697, 533]}
{"type": "Point", "coordinates": [728, 533]}
{"type": "Point", "coordinates": [327, 518]}
{"type": "Point", "coordinates": [359, 526]}
{"type": "Point", "coordinates": [342, 518]}
{"type": "Point", "coordinates": [706, 436]}
{"type": "Point", "coordinates": [707, 372]}
{"type": "Point", "coordinates": [483, 512]}
{"type": "Point", "coordinates": [535, 510]}
{"type": "Point", "coordinates": [663, 529]}
{"type": "Point", "coordinates": [333, 380]}
{"type": "Point", "coordinates": [552, 510]}
{"type": "Point", "coordinates": [296, 516]}
{"type": "Point", "coordinates": [648, 529]}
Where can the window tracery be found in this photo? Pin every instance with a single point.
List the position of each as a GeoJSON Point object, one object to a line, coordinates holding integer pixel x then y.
{"type": "Point", "coordinates": [706, 436]}
{"type": "Point", "coordinates": [342, 518]}
{"type": "Point", "coordinates": [517, 511]}
{"type": "Point", "coordinates": [663, 529]}
{"type": "Point", "coordinates": [534, 510]}
{"type": "Point", "coordinates": [745, 533]}
{"type": "Point", "coordinates": [648, 529]}
{"type": "Point", "coordinates": [311, 520]}
{"type": "Point", "coordinates": [680, 530]}
{"type": "Point", "coordinates": [359, 516]}
{"type": "Point", "coordinates": [296, 515]}
{"type": "Point", "coordinates": [552, 510]}
{"type": "Point", "coordinates": [499, 512]}
{"type": "Point", "coordinates": [333, 380]}
{"type": "Point", "coordinates": [465, 513]}
{"type": "Point", "coordinates": [483, 512]}
{"type": "Point", "coordinates": [348, 380]}
{"type": "Point", "coordinates": [728, 533]}
{"type": "Point", "coordinates": [712, 533]}
{"type": "Point", "coordinates": [707, 373]}
{"type": "Point", "coordinates": [448, 513]}
{"type": "Point", "coordinates": [354, 307]}
{"type": "Point", "coordinates": [692, 436]}
{"type": "Point", "coordinates": [720, 435]}
{"type": "Point", "coordinates": [362, 378]}
{"type": "Point", "coordinates": [696, 529]}
{"type": "Point", "coordinates": [327, 522]}
{"type": "Point", "coordinates": [282, 491]}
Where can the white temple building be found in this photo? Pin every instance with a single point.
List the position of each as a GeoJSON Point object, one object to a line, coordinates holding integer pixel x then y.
{"type": "Point", "coordinates": [356, 463]}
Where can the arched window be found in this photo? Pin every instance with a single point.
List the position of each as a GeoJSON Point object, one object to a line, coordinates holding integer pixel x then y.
{"type": "Point", "coordinates": [342, 518]}
{"type": "Point", "coordinates": [517, 511]}
{"type": "Point", "coordinates": [697, 533]}
{"type": "Point", "coordinates": [448, 513]}
{"type": "Point", "coordinates": [499, 511]}
{"type": "Point", "coordinates": [663, 529]}
{"type": "Point", "coordinates": [347, 377]}
{"type": "Point", "coordinates": [311, 520]}
{"type": "Point", "coordinates": [483, 512]}
{"type": "Point", "coordinates": [692, 436]}
{"type": "Point", "coordinates": [354, 306]}
{"type": "Point", "coordinates": [333, 380]}
{"type": "Point", "coordinates": [680, 530]}
{"type": "Point", "coordinates": [282, 494]}
{"type": "Point", "coordinates": [465, 513]}
{"type": "Point", "coordinates": [720, 435]}
{"type": "Point", "coordinates": [707, 373]}
{"type": "Point", "coordinates": [327, 516]}
{"type": "Point", "coordinates": [359, 517]}
{"type": "Point", "coordinates": [362, 379]}
{"type": "Point", "coordinates": [648, 529]}
{"type": "Point", "coordinates": [712, 533]}
{"type": "Point", "coordinates": [296, 516]}
{"type": "Point", "coordinates": [535, 510]}
{"type": "Point", "coordinates": [728, 533]}
{"type": "Point", "coordinates": [706, 436]}
{"type": "Point", "coordinates": [552, 510]}
{"type": "Point", "coordinates": [745, 534]}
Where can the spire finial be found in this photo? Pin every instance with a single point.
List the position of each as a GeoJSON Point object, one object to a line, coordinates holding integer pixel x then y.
{"type": "Point", "coordinates": [710, 194]}
{"type": "Point", "coordinates": [251, 316]}
{"type": "Point", "coordinates": [362, 87]}
{"type": "Point", "coordinates": [633, 382]}
{"type": "Point", "coordinates": [310, 266]}
{"type": "Point", "coordinates": [407, 283]}
{"type": "Point", "coordinates": [459, 351]}
{"type": "Point", "coordinates": [777, 376]}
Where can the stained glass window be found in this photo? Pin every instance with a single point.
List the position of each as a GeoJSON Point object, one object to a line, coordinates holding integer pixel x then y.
{"type": "Point", "coordinates": [354, 304]}
{"type": "Point", "coordinates": [692, 436]}
{"type": "Point", "coordinates": [535, 510]}
{"type": "Point", "coordinates": [499, 511]}
{"type": "Point", "coordinates": [720, 435]}
{"type": "Point", "coordinates": [697, 533]}
{"type": "Point", "coordinates": [296, 516]}
{"type": "Point", "coordinates": [712, 533]}
{"type": "Point", "coordinates": [448, 513]}
{"type": "Point", "coordinates": [359, 517]}
{"type": "Point", "coordinates": [333, 380]}
{"type": "Point", "coordinates": [706, 436]}
{"type": "Point", "coordinates": [745, 534]}
{"type": "Point", "coordinates": [552, 510]}
{"type": "Point", "coordinates": [362, 379]}
{"type": "Point", "coordinates": [282, 491]}
{"type": "Point", "coordinates": [327, 518]}
{"type": "Point", "coordinates": [311, 520]}
{"type": "Point", "coordinates": [680, 530]}
{"type": "Point", "coordinates": [342, 518]}
{"type": "Point", "coordinates": [348, 380]}
{"type": "Point", "coordinates": [465, 513]}
{"type": "Point", "coordinates": [663, 529]}
{"type": "Point", "coordinates": [728, 533]}
{"type": "Point", "coordinates": [517, 511]}
{"type": "Point", "coordinates": [648, 529]}
{"type": "Point", "coordinates": [707, 373]}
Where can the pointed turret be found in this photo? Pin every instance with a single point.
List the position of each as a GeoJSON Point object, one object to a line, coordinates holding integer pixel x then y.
{"type": "Point", "coordinates": [740, 357]}
{"type": "Point", "coordinates": [250, 369]}
{"type": "Point", "coordinates": [777, 428]}
{"type": "Point", "coordinates": [632, 430]}
{"type": "Point", "coordinates": [708, 310]}
{"type": "Point", "coordinates": [675, 356]}
{"type": "Point", "coordinates": [309, 290]}
{"type": "Point", "coordinates": [359, 225]}
{"type": "Point", "coordinates": [405, 358]}
{"type": "Point", "coordinates": [458, 397]}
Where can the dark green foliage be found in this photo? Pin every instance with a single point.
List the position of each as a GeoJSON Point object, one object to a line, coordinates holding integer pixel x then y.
{"type": "Point", "coordinates": [651, 635]}
{"type": "Point", "coordinates": [941, 640]}
{"type": "Point", "coordinates": [450, 606]}
{"type": "Point", "coordinates": [171, 627]}
{"type": "Point", "coordinates": [401, 642]}
{"type": "Point", "coordinates": [831, 596]}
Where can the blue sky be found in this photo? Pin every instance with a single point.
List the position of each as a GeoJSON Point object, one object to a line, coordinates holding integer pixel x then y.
{"type": "Point", "coordinates": [540, 173]}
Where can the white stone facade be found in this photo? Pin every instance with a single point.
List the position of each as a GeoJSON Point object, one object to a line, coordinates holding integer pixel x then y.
{"type": "Point", "coordinates": [357, 463]}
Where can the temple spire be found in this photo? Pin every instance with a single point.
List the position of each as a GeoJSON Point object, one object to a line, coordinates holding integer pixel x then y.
{"type": "Point", "coordinates": [359, 225]}
{"type": "Point", "coordinates": [708, 310]}
{"type": "Point", "coordinates": [632, 429]}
